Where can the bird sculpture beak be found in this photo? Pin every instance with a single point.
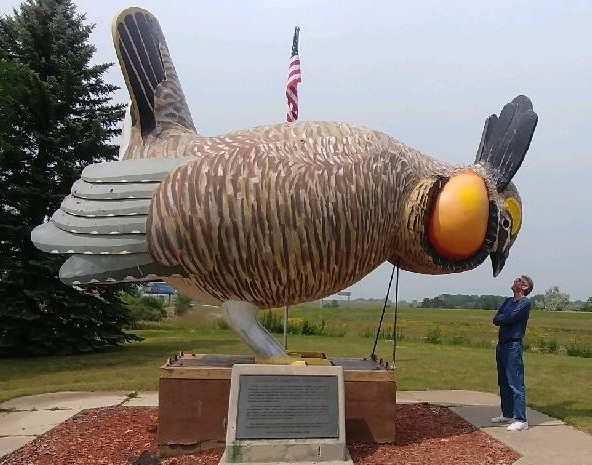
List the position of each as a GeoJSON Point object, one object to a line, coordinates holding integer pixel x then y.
{"type": "Point", "coordinates": [498, 260]}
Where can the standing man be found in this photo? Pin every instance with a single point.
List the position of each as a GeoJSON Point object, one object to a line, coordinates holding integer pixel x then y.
{"type": "Point", "coordinates": [511, 318]}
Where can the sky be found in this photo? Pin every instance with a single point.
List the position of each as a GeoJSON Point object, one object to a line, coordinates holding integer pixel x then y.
{"type": "Point", "coordinates": [427, 73]}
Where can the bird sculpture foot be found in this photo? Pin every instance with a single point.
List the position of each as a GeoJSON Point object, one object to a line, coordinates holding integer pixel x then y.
{"type": "Point", "coordinates": [296, 358]}
{"type": "Point", "coordinates": [286, 359]}
{"type": "Point", "coordinates": [242, 318]}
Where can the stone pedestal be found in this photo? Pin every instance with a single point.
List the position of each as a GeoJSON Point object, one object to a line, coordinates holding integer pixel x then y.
{"type": "Point", "coordinates": [194, 392]}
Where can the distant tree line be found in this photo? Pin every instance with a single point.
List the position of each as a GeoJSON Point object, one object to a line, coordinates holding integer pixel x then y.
{"type": "Point", "coordinates": [553, 300]}
{"type": "Point", "coordinates": [486, 302]}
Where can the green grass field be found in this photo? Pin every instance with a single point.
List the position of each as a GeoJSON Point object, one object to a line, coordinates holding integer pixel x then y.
{"type": "Point", "coordinates": [437, 349]}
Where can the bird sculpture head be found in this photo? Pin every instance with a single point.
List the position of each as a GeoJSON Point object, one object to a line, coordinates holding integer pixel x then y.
{"type": "Point", "coordinates": [503, 146]}
{"type": "Point", "coordinates": [459, 216]}
{"type": "Point", "coordinates": [509, 224]}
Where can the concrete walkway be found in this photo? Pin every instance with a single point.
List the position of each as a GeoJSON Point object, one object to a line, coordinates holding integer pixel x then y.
{"type": "Point", "coordinates": [548, 441]}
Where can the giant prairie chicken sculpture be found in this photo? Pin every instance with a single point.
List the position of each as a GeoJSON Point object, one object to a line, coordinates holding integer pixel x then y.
{"type": "Point", "coordinates": [280, 214]}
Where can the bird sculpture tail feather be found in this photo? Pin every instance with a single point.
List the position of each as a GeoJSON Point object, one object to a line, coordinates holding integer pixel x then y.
{"type": "Point", "coordinates": [157, 98]}
{"type": "Point", "coordinates": [506, 139]}
{"type": "Point", "coordinates": [102, 223]}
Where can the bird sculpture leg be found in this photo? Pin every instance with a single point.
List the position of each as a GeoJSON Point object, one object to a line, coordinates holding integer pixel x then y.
{"type": "Point", "coordinates": [242, 318]}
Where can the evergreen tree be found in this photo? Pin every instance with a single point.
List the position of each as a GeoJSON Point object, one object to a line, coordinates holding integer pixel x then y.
{"type": "Point", "coordinates": [56, 117]}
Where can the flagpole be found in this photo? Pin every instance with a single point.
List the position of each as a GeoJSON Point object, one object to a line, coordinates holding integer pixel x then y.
{"type": "Point", "coordinates": [294, 78]}
{"type": "Point", "coordinates": [286, 327]}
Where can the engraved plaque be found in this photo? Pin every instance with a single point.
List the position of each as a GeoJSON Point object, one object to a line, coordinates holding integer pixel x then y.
{"type": "Point", "coordinates": [287, 406]}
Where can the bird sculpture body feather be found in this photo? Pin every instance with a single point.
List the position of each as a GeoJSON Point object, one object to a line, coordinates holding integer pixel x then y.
{"type": "Point", "coordinates": [280, 214]}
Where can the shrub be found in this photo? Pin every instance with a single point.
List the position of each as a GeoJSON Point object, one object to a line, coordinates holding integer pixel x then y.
{"type": "Point", "coordinates": [309, 329]}
{"type": "Point", "coordinates": [272, 322]}
{"type": "Point", "coordinates": [143, 307]}
{"type": "Point", "coordinates": [335, 332]}
{"type": "Point", "coordinates": [549, 346]}
{"type": "Point", "coordinates": [182, 304]}
{"type": "Point", "coordinates": [386, 333]}
{"type": "Point", "coordinates": [577, 350]}
{"type": "Point", "coordinates": [221, 324]}
{"type": "Point", "coordinates": [434, 336]}
{"type": "Point", "coordinates": [460, 340]}
{"type": "Point", "coordinates": [366, 332]}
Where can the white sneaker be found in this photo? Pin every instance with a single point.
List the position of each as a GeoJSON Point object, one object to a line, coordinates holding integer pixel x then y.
{"type": "Point", "coordinates": [501, 419]}
{"type": "Point", "coordinates": [518, 426]}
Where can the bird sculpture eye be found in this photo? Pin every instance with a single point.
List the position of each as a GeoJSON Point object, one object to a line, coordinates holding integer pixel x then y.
{"type": "Point", "coordinates": [513, 207]}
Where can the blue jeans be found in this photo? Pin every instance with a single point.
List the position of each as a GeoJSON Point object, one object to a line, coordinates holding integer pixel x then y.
{"type": "Point", "coordinates": [510, 377]}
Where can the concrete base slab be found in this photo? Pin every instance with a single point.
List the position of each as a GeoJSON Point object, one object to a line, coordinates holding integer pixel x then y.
{"type": "Point", "coordinates": [66, 400]}
{"type": "Point", "coordinates": [347, 461]}
{"type": "Point", "coordinates": [143, 399]}
{"type": "Point", "coordinates": [554, 444]}
{"type": "Point", "coordinates": [481, 415]}
{"type": "Point", "coordinates": [547, 441]}
{"type": "Point", "coordinates": [33, 422]}
{"type": "Point", "coordinates": [9, 444]}
{"type": "Point", "coordinates": [27, 417]}
{"type": "Point", "coordinates": [448, 398]}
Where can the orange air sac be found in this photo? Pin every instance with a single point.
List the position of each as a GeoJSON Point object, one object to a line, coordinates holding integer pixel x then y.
{"type": "Point", "coordinates": [459, 219]}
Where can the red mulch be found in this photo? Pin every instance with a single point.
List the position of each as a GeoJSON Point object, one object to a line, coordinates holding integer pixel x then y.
{"type": "Point", "coordinates": [425, 434]}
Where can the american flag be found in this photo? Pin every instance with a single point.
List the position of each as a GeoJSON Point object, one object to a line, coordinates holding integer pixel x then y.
{"type": "Point", "coordinates": [294, 78]}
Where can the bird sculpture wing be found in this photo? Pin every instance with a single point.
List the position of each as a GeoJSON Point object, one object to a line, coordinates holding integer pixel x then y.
{"type": "Point", "coordinates": [102, 223]}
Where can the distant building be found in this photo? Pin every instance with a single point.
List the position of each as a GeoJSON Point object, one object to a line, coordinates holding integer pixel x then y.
{"type": "Point", "coordinates": [159, 288]}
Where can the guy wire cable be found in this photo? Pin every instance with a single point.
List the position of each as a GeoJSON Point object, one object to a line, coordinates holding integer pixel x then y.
{"type": "Point", "coordinates": [373, 355]}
